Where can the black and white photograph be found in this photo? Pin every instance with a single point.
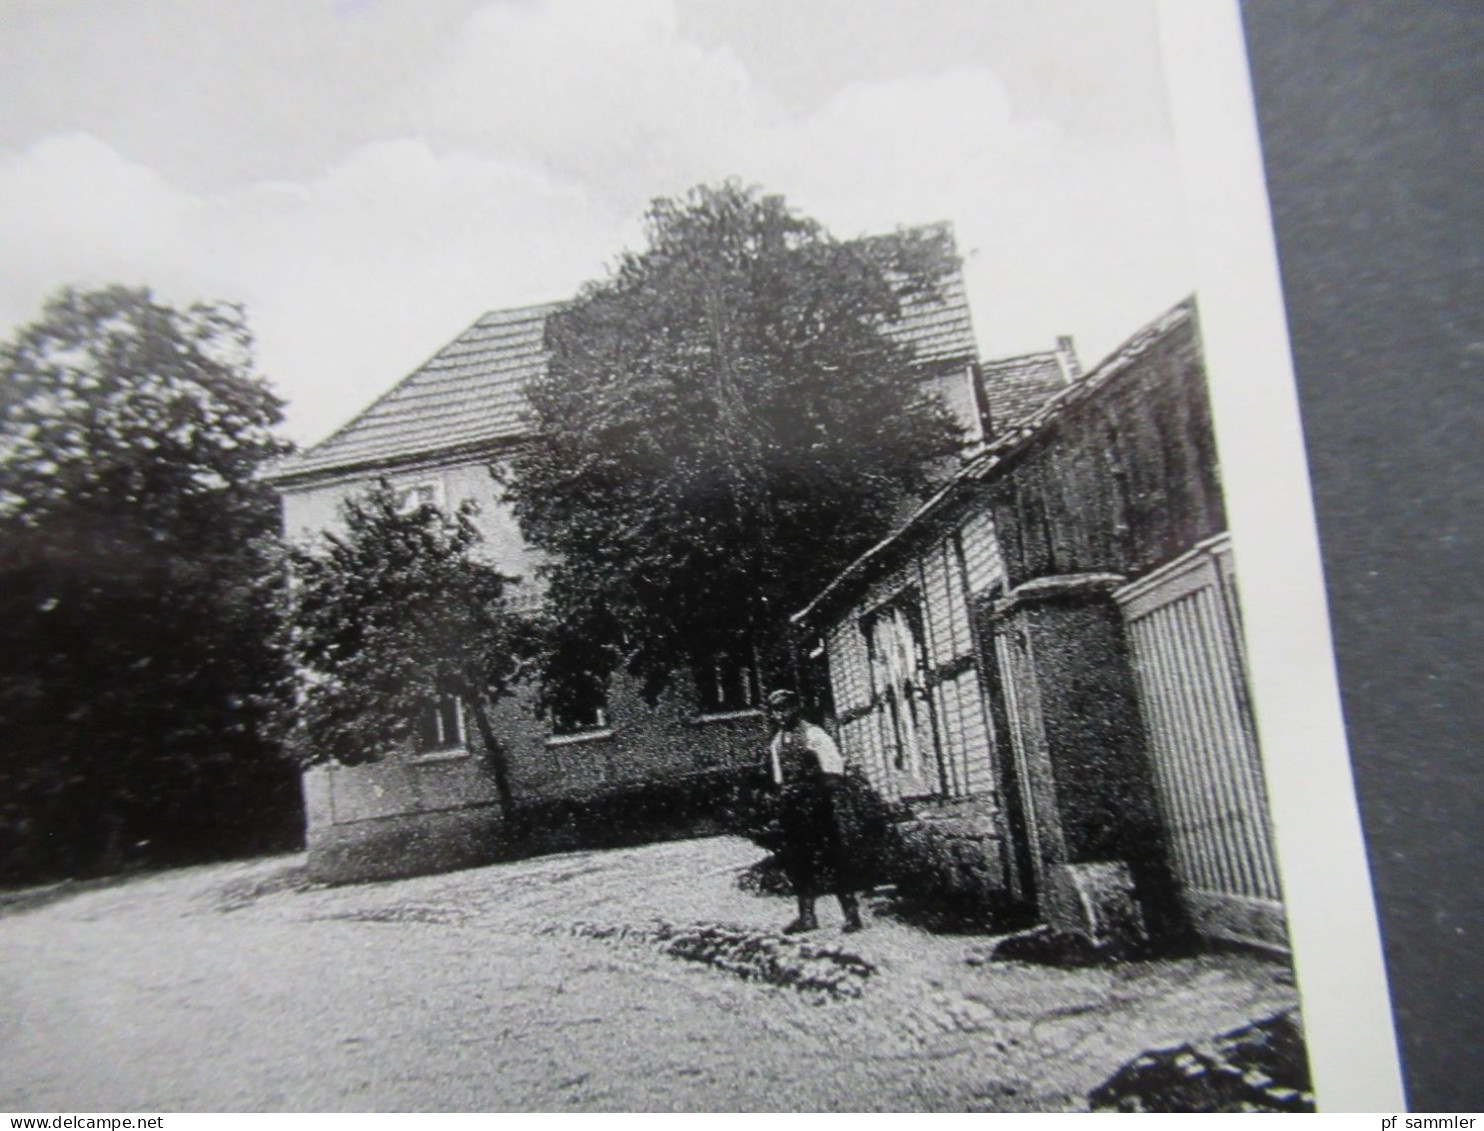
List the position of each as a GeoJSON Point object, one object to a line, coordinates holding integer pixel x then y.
{"type": "Point", "coordinates": [662, 555]}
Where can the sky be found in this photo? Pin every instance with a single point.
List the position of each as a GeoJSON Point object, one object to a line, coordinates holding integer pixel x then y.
{"type": "Point", "coordinates": [367, 177]}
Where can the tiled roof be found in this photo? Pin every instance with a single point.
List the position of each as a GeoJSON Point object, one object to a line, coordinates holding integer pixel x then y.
{"type": "Point", "coordinates": [939, 330]}
{"type": "Point", "coordinates": [936, 326]}
{"type": "Point", "coordinates": [1017, 386]}
{"type": "Point", "coordinates": [470, 392]}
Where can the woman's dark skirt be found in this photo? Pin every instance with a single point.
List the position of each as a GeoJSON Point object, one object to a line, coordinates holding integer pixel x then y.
{"type": "Point", "coordinates": [820, 850]}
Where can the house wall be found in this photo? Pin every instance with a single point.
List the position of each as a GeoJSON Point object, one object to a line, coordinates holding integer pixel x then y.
{"type": "Point", "coordinates": [642, 743]}
{"type": "Point", "coordinates": [309, 510]}
{"type": "Point", "coordinates": [953, 571]}
{"type": "Point", "coordinates": [1122, 480]}
{"type": "Point", "coordinates": [956, 794]}
{"type": "Point", "coordinates": [960, 392]}
{"type": "Point", "coordinates": [406, 814]}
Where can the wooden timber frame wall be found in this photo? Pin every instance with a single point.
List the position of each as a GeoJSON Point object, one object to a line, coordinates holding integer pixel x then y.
{"type": "Point", "coordinates": [1051, 648]}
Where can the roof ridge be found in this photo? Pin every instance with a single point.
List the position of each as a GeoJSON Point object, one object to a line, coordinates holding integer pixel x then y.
{"type": "Point", "coordinates": [551, 304]}
{"type": "Point", "coordinates": [1034, 355]}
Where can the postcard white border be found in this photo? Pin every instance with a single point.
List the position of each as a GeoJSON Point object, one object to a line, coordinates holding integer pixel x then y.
{"type": "Point", "coordinates": [1326, 879]}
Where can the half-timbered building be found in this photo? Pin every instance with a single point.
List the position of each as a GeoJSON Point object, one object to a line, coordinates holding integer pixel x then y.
{"type": "Point", "coordinates": [1046, 661]}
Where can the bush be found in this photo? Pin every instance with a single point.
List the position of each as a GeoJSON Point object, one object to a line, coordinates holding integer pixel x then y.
{"type": "Point", "coordinates": [700, 804]}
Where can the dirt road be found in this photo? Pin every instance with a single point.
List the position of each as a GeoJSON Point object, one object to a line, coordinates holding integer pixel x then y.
{"type": "Point", "coordinates": [239, 988]}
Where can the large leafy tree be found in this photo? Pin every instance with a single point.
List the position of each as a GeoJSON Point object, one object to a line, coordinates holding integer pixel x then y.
{"type": "Point", "coordinates": [392, 614]}
{"type": "Point", "coordinates": [725, 423]}
{"type": "Point", "coordinates": [141, 688]}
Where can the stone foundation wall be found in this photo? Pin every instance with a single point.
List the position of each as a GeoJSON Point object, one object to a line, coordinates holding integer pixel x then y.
{"type": "Point", "coordinates": [407, 844]}
{"type": "Point", "coordinates": [952, 850]}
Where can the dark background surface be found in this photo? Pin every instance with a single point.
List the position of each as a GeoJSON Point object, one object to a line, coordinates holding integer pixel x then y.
{"type": "Point", "coordinates": [1372, 116]}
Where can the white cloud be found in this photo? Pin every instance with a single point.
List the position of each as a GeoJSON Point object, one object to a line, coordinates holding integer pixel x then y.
{"type": "Point", "coordinates": [1071, 236]}
{"type": "Point", "coordinates": [607, 93]}
{"type": "Point", "coordinates": [71, 207]}
{"type": "Point", "coordinates": [526, 160]}
{"type": "Point", "coordinates": [350, 279]}
{"type": "Point", "coordinates": [1060, 235]}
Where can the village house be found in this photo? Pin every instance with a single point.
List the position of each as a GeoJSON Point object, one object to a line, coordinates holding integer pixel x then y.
{"type": "Point", "coordinates": [435, 437]}
{"type": "Point", "coordinates": [1045, 663]}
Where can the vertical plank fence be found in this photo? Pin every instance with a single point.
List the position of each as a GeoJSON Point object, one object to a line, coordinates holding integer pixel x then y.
{"type": "Point", "coordinates": [1191, 678]}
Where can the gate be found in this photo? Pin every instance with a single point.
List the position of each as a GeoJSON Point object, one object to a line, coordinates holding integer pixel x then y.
{"type": "Point", "coordinates": [1184, 632]}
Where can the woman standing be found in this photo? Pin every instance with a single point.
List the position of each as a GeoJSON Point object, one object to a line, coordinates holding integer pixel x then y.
{"type": "Point", "coordinates": [806, 770]}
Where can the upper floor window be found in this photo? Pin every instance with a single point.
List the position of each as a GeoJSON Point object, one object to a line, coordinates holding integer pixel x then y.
{"type": "Point", "coordinates": [412, 496]}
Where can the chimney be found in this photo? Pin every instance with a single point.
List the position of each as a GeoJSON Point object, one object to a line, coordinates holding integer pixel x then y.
{"type": "Point", "coordinates": [1066, 357]}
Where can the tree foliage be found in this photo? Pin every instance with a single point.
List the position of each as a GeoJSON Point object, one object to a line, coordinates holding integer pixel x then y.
{"type": "Point", "coordinates": [392, 614]}
{"type": "Point", "coordinates": [724, 424]}
{"type": "Point", "coordinates": [140, 684]}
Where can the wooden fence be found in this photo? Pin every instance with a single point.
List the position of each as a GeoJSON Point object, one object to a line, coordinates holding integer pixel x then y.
{"type": "Point", "coordinates": [1184, 631]}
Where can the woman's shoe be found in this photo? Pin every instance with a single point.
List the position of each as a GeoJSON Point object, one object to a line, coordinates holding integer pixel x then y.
{"type": "Point", "coordinates": [851, 905]}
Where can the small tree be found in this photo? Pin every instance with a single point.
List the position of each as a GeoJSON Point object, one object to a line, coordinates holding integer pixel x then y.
{"type": "Point", "coordinates": [141, 691]}
{"type": "Point", "coordinates": [724, 424]}
{"type": "Point", "coordinates": [395, 614]}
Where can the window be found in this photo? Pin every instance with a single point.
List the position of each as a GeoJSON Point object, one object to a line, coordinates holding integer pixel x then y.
{"type": "Point", "coordinates": [440, 726]}
{"type": "Point", "coordinates": [581, 708]}
{"type": "Point", "coordinates": [412, 496]}
{"type": "Point", "coordinates": [727, 682]}
{"type": "Point", "coordinates": [580, 720]}
{"type": "Point", "coordinates": [898, 662]}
